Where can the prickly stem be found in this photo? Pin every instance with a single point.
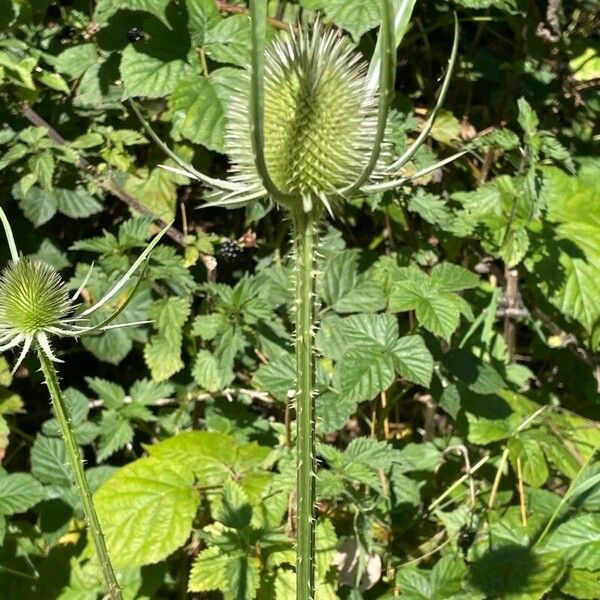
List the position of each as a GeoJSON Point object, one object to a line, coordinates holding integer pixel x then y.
{"type": "Point", "coordinates": [304, 247]}
{"type": "Point", "coordinates": [68, 434]}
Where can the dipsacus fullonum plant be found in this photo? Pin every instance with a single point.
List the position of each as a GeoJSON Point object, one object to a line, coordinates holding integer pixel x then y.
{"type": "Point", "coordinates": [34, 307]}
{"type": "Point", "coordinates": [309, 131]}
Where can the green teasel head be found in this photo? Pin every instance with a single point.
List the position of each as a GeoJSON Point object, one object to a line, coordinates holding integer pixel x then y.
{"type": "Point", "coordinates": [308, 127]}
{"type": "Point", "coordinates": [320, 119]}
{"type": "Point", "coordinates": [33, 297]}
{"type": "Point", "coordinates": [35, 304]}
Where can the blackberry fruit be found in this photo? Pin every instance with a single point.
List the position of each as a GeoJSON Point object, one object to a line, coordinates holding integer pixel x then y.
{"type": "Point", "coordinates": [135, 34]}
{"type": "Point", "coordinates": [466, 537]}
{"type": "Point", "coordinates": [68, 32]}
{"type": "Point", "coordinates": [230, 250]}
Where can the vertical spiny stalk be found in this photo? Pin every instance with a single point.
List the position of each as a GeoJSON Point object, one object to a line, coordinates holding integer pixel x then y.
{"type": "Point", "coordinates": [304, 247]}
{"type": "Point", "coordinates": [68, 434]}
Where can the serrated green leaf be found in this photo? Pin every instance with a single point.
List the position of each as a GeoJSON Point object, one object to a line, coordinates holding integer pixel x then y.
{"type": "Point", "coordinates": [326, 544]}
{"type": "Point", "coordinates": [233, 508]}
{"type": "Point", "coordinates": [163, 352]}
{"type": "Point", "coordinates": [147, 510]}
{"type": "Point", "coordinates": [145, 391]}
{"type": "Point", "coordinates": [437, 310]}
{"type": "Point", "coordinates": [106, 8]}
{"type": "Point", "coordinates": [19, 492]}
{"type": "Point", "coordinates": [51, 255]}
{"type": "Point", "coordinates": [210, 455]}
{"type": "Point", "coordinates": [112, 393]}
{"type": "Point", "coordinates": [533, 462]}
{"type": "Point", "coordinates": [198, 113]}
{"type": "Point", "coordinates": [454, 278]}
{"type": "Point", "coordinates": [49, 461]}
{"type": "Point", "coordinates": [446, 127]}
{"type": "Point", "coordinates": [74, 61]}
{"type": "Point", "coordinates": [413, 360]}
{"type": "Point", "coordinates": [115, 433]}
{"type": "Point", "coordinates": [42, 166]}
{"type": "Point", "coordinates": [443, 582]}
{"type": "Point", "coordinates": [577, 541]}
{"type": "Point", "coordinates": [582, 584]}
{"type": "Point", "coordinates": [111, 347]}
{"type": "Point", "coordinates": [370, 452]}
{"type": "Point", "coordinates": [12, 155]}
{"type": "Point", "coordinates": [202, 15]}
{"type": "Point", "coordinates": [77, 203]}
{"type": "Point", "coordinates": [162, 360]}
{"type": "Point", "coordinates": [208, 571]}
{"type": "Point", "coordinates": [334, 411]}
{"type": "Point", "coordinates": [208, 326]}
{"type": "Point", "coordinates": [38, 205]}
{"type": "Point", "coordinates": [480, 377]}
{"type": "Point", "coordinates": [579, 296]}
{"type": "Point", "coordinates": [528, 120]}
{"type": "Point", "coordinates": [359, 329]}
{"type": "Point", "coordinates": [277, 377]}
{"type": "Point", "coordinates": [243, 578]}
{"type": "Point", "coordinates": [429, 207]}
{"type": "Point", "coordinates": [355, 16]}
{"type": "Point", "coordinates": [228, 41]}
{"type": "Point", "coordinates": [349, 287]}
{"type": "Point", "coordinates": [154, 69]}
{"type": "Point", "coordinates": [206, 371]}
{"type": "Point", "coordinates": [365, 372]}
{"type": "Point", "coordinates": [484, 431]}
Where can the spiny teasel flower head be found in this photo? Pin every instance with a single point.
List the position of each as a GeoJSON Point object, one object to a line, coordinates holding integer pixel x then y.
{"type": "Point", "coordinates": [35, 304]}
{"type": "Point", "coordinates": [320, 122]}
{"type": "Point", "coordinates": [33, 297]}
{"type": "Point", "coordinates": [309, 124]}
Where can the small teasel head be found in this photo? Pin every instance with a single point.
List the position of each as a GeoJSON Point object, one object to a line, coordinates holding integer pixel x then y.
{"type": "Point", "coordinates": [35, 304]}
{"type": "Point", "coordinates": [33, 297]}
{"type": "Point", "coordinates": [320, 121]}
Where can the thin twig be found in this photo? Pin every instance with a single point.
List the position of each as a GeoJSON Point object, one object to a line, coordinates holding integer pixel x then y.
{"type": "Point", "coordinates": [386, 420]}
{"type": "Point", "coordinates": [242, 10]}
{"type": "Point", "coordinates": [458, 482]}
{"type": "Point", "coordinates": [521, 493]}
{"type": "Point", "coordinates": [435, 550]}
{"type": "Point", "coordinates": [227, 392]}
{"type": "Point", "coordinates": [497, 478]}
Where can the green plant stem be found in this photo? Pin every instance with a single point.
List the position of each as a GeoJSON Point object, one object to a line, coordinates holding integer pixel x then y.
{"type": "Point", "coordinates": [304, 246]}
{"type": "Point", "coordinates": [68, 434]}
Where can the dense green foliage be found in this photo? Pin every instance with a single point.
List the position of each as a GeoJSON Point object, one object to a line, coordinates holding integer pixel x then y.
{"type": "Point", "coordinates": [459, 335]}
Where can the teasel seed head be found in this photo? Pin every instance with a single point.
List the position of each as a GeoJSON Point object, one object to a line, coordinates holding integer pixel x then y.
{"type": "Point", "coordinates": [320, 121]}
{"type": "Point", "coordinates": [33, 297]}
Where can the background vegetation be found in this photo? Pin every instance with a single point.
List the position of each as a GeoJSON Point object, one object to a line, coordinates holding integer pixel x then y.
{"type": "Point", "coordinates": [460, 318]}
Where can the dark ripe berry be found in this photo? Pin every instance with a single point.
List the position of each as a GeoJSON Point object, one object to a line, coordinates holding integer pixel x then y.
{"type": "Point", "coordinates": [135, 34]}
{"type": "Point", "coordinates": [466, 537]}
{"type": "Point", "coordinates": [68, 32]}
{"type": "Point", "coordinates": [53, 12]}
{"type": "Point", "coordinates": [230, 250]}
